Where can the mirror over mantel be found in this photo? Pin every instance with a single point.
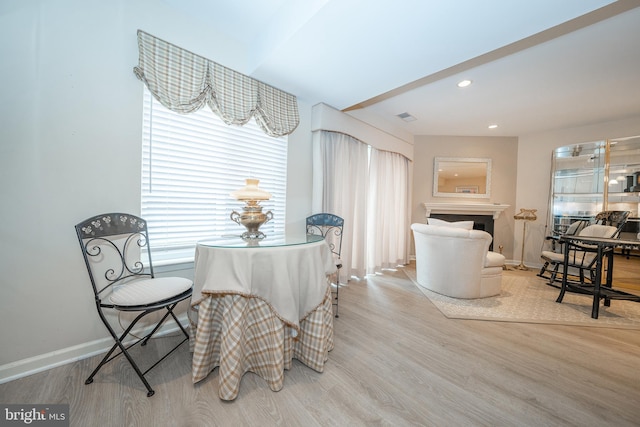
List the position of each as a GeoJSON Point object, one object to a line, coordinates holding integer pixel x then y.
{"type": "Point", "coordinates": [463, 177]}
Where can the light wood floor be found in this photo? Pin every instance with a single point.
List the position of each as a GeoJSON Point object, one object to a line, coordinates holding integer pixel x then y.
{"type": "Point", "coordinates": [626, 271]}
{"type": "Point", "coordinates": [397, 361]}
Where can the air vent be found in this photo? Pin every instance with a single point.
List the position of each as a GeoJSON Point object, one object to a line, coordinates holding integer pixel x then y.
{"type": "Point", "coordinates": [406, 117]}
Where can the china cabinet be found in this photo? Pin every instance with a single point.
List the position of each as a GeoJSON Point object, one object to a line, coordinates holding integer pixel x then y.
{"type": "Point", "coordinates": [593, 177]}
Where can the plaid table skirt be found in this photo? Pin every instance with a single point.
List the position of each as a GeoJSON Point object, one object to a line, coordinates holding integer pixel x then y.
{"type": "Point", "coordinates": [240, 333]}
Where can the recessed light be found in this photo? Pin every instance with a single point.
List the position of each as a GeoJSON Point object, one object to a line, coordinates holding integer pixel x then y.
{"type": "Point", "coordinates": [493, 126]}
{"type": "Point", "coordinates": [464, 83]}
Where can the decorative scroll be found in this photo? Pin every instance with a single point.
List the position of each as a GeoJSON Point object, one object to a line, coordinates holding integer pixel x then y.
{"type": "Point", "coordinates": [184, 82]}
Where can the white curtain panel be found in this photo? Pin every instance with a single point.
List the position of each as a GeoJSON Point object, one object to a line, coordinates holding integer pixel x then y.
{"type": "Point", "coordinates": [388, 213]}
{"type": "Point", "coordinates": [340, 165]}
{"type": "Point", "coordinates": [370, 189]}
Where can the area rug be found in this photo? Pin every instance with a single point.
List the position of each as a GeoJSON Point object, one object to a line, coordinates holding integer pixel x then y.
{"type": "Point", "coordinates": [526, 298]}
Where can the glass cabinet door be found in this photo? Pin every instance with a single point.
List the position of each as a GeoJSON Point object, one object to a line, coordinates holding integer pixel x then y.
{"type": "Point", "coordinates": [578, 176]}
{"type": "Point", "coordinates": [593, 177]}
{"type": "Point", "coordinates": [623, 189]}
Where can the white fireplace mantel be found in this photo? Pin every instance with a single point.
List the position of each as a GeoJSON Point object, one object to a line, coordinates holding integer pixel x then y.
{"type": "Point", "coordinates": [494, 209]}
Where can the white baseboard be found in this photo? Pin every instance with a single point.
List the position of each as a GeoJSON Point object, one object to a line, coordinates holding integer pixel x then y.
{"type": "Point", "coordinates": [531, 265]}
{"type": "Point", "coordinates": [43, 362]}
{"type": "Point", "coordinates": [509, 262]}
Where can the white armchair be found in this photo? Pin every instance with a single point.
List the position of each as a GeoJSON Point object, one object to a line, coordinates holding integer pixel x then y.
{"type": "Point", "coordinates": [456, 262]}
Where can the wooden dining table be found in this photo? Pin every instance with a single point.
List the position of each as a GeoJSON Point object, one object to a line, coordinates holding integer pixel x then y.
{"type": "Point", "coordinates": [257, 305]}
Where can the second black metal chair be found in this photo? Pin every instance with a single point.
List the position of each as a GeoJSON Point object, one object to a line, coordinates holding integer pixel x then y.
{"type": "Point", "coordinates": [114, 247]}
{"type": "Point", "coordinates": [330, 227]}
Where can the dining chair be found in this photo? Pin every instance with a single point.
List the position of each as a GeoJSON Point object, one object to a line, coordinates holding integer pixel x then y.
{"type": "Point", "coordinates": [116, 251]}
{"type": "Point", "coordinates": [553, 259]}
{"type": "Point", "coordinates": [582, 258]}
{"type": "Point", "coordinates": [556, 246]}
{"type": "Point", "coordinates": [330, 227]}
{"type": "Point", "coordinates": [614, 218]}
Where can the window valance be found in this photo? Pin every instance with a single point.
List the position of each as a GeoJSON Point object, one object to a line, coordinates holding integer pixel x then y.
{"type": "Point", "coordinates": [184, 82]}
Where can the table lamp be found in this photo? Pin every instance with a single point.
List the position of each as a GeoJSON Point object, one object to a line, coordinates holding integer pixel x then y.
{"type": "Point", "coordinates": [252, 216]}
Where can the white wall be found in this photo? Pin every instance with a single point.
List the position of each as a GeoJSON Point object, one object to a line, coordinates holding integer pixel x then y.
{"type": "Point", "coordinates": [70, 132]}
{"type": "Point", "coordinates": [534, 173]}
{"type": "Point", "coordinates": [299, 172]}
{"type": "Point", "coordinates": [502, 151]}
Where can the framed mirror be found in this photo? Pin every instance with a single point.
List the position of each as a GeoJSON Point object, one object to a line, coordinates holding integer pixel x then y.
{"type": "Point", "coordinates": [462, 177]}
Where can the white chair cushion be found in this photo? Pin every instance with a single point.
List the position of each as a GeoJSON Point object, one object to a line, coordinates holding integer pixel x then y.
{"type": "Point", "coordinates": [579, 257]}
{"type": "Point", "coordinates": [598, 230]}
{"type": "Point", "coordinates": [466, 225]}
{"type": "Point", "coordinates": [574, 228]}
{"type": "Point", "coordinates": [149, 291]}
{"type": "Point", "coordinates": [553, 256]}
{"type": "Point", "coordinates": [494, 259]}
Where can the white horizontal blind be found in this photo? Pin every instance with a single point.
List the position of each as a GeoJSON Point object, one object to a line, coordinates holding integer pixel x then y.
{"type": "Point", "coordinates": [190, 165]}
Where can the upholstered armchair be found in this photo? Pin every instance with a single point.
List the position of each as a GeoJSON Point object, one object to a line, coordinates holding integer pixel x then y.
{"type": "Point", "coordinates": [456, 262]}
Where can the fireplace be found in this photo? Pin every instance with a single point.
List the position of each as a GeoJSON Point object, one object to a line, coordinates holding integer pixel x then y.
{"type": "Point", "coordinates": [480, 222]}
{"type": "Point", "coordinates": [483, 215]}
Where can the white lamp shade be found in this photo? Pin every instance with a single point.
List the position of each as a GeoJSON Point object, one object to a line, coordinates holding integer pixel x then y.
{"type": "Point", "coordinates": [251, 191]}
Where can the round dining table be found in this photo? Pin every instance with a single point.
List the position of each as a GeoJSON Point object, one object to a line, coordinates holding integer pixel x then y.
{"type": "Point", "coordinates": [259, 304]}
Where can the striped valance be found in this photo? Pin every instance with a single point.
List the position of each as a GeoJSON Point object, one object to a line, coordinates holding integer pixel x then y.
{"type": "Point", "coordinates": [184, 82]}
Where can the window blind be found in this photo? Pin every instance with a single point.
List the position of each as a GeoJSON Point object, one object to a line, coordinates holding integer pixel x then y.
{"type": "Point", "coordinates": [190, 165]}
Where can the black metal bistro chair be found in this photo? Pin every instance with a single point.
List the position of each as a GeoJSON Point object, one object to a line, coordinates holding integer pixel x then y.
{"type": "Point", "coordinates": [115, 248]}
{"type": "Point", "coordinates": [330, 227]}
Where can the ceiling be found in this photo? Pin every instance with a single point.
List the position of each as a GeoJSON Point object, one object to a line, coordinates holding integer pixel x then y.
{"type": "Point", "coordinates": [535, 65]}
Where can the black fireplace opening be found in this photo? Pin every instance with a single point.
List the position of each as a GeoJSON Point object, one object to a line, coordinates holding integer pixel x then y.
{"type": "Point", "coordinates": [480, 222]}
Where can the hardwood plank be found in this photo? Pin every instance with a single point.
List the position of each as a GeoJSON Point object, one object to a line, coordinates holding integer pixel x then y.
{"type": "Point", "coordinates": [626, 271]}
{"type": "Point", "coordinates": [397, 361]}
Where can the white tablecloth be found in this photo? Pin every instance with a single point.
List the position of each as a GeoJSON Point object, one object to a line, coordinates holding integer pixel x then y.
{"type": "Point", "coordinates": [292, 279]}
{"type": "Point", "coordinates": [259, 307]}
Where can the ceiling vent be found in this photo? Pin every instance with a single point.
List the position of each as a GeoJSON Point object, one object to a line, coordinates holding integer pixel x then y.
{"type": "Point", "coordinates": [406, 117]}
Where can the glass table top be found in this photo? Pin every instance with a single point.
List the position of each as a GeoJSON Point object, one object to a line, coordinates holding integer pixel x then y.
{"type": "Point", "coordinates": [269, 241]}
